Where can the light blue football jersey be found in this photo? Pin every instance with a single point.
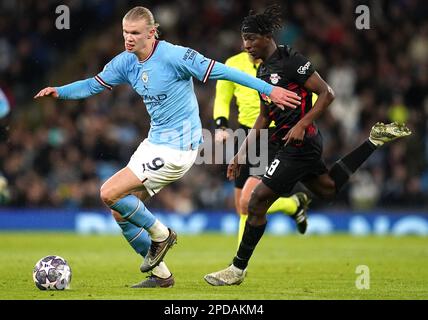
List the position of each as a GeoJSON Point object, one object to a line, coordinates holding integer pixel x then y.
{"type": "Point", "coordinates": [164, 81]}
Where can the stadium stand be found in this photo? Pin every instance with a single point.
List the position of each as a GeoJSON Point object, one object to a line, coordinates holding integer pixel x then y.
{"type": "Point", "coordinates": [57, 153]}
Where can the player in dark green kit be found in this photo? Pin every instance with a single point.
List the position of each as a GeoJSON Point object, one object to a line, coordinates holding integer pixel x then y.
{"type": "Point", "coordinates": [299, 160]}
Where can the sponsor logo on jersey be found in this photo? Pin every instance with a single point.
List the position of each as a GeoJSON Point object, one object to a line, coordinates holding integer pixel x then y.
{"type": "Point", "coordinates": [148, 98]}
{"type": "Point", "coordinates": [274, 78]}
{"type": "Point", "coordinates": [153, 101]}
{"type": "Point", "coordinates": [190, 55]}
{"type": "Point", "coordinates": [303, 69]}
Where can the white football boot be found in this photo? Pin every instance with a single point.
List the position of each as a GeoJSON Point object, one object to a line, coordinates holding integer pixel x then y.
{"type": "Point", "coordinates": [226, 277]}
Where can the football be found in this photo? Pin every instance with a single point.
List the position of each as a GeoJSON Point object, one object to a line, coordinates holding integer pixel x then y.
{"type": "Point", "coordinates": [52, 273]}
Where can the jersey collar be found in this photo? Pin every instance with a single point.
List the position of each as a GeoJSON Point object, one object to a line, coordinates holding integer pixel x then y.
{"type": "Point", "coordinates": [155, 44]}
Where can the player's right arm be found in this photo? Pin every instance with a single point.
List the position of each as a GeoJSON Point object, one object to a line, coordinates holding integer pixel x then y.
{"type": "Point", "coordinates": [112, 75]}
{"type": "Point", "coordinates": [262, 122]}
{"type": "Point", "coordinates": [76, 90]}
{"type": "Point", "coordinates": [301, 71]}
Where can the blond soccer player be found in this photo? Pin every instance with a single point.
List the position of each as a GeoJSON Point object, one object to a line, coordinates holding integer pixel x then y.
{"type": "Point", "coordinates": [162, 74]}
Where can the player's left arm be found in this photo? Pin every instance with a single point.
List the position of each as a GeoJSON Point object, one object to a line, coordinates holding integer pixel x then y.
{"type": "Point", "coordinates": [189, 62]}
{"type": "Point", "coordinates": [280, 96]}
{"type": "Point", "coordinates": [325, 97]}
{"type": "Point", "coordinates": [307, 76]}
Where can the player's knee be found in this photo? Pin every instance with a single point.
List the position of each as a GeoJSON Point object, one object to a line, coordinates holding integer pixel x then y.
{"type": "Point", "coordinates": [108, 195]}
{"type": "Point", "coordinates": [243, 205]}
{"type": "Point", "coordinates": [254, 206]}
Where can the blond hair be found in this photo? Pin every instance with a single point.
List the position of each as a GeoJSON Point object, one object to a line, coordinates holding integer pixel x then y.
{"type": "Point", "coordinates": [138, 13]}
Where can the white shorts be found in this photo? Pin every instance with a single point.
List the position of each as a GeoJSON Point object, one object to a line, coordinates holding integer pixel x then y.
{"type": "Point", "coordinates": [157, 166]}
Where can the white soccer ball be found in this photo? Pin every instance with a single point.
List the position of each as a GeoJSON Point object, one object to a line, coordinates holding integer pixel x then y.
{"type": "Point", "coordinates": [52, 273]}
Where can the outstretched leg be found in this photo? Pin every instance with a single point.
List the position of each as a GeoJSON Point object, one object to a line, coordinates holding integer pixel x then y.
{"type": "Point", "coordinates": [328, 185]}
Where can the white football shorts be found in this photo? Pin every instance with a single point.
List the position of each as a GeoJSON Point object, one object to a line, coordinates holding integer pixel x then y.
{"type": "Point", "coordinates": [157, 165]}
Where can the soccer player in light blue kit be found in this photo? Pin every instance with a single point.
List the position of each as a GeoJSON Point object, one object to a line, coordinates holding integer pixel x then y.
{"type": "Point", "coordinates": [162, 74]}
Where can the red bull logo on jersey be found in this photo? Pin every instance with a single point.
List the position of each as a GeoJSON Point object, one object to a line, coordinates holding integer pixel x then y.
{"type": "Point", "coordinates": [274, 78]}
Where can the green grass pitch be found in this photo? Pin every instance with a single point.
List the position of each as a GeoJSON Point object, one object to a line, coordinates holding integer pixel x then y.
{"type": "Point", "coordinates": [282, 267]}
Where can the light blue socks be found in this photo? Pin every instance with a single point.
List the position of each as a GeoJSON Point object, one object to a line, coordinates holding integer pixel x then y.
{"type": "Point", "coordinates": [137, 237]}
{"type": "Point", "coordinates": [133, 210]}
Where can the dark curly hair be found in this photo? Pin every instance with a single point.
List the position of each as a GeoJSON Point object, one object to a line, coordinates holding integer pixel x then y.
{"type": "Point", "coordinates": [263, 23]}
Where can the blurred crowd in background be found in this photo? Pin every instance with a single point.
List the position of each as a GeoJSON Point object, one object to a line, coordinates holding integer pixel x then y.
{"type": "Point", "coordinates": [58, 153]}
